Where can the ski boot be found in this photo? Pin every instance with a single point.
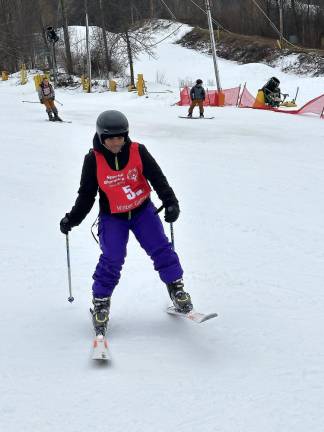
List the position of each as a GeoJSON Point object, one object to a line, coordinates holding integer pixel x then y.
{"type": "Point", "coordinates": [50, 116]}
{"type": "Point", "coordinates": [57, 118]}
{"type": "Point", "coordinates": [189, 115]}
{"type": "Point", "coordinates": [180, 299]}
{"type": "Point", "coordinates": [201, 115]}
{"type": "Point", "coordinates": [100, 314]}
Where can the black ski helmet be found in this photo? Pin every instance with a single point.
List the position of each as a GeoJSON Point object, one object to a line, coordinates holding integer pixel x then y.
{"type": "Point", "coordinates": [199, 81]}
{"type": "Point", "coordinates": [111, 123]}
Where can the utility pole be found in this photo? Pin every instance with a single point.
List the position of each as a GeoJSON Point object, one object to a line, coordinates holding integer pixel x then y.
{"type": "Point", "coordinates": [213, 45]}
{"type": "Point", "coordinates": [281, 22]}
{"type": "Point", "coordinates": [88, 46]}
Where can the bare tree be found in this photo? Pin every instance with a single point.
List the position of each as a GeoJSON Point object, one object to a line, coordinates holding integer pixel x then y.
{"type": "Point", "coordinates": [105, 42]}
{"type": "Point", "coordinates": [69, 64]}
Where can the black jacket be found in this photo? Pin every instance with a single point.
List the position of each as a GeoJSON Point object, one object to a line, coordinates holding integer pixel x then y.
{"type": "Point", "coordinates": [197, 92]}
{"type": "Point", "coordinates": [89, 183]}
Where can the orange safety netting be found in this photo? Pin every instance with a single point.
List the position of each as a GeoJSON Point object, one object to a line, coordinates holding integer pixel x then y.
{"type": "Point", "coordinates": [315, 106]}
{"type": "Point", "coordinates": [212, 97]}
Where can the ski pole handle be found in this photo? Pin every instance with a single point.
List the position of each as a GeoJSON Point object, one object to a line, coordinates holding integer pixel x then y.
{"type": "Point", "coordinates": [70, 298]}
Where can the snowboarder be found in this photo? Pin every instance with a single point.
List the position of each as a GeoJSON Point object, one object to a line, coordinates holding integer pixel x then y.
{"type": "Point", "coordinates": [272, 93]}
{"type": "Point", "coordinates": [46, 96]}
{"type": "Point", "coordinates": [197, 96]}
{"type": "Point", "coordinates": [122, 170]}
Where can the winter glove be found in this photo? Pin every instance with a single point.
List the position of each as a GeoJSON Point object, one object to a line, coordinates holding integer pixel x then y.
{"type": "Point", "coordinates": [172, 211]}
{"type": "Point", "coordinates": [41, 101]}
{"type": "Point", "coordinates": [65, 224]}
{"type": "Point", "coordinates": [51, 99]}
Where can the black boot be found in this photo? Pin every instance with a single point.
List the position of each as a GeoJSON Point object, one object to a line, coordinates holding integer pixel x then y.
{"type": "Point", "coordinates": [100, 314]}
{"type": "Point", "coordinates": [50, 116]}
{"type": "Point", "coordinates": [201, 115]}
{"type": "Point", "coordinates": [180, 299]}
{"type": "Point", "coordinates": [56, 117]}
{"type": "Point", "coordinates": [189, 115]}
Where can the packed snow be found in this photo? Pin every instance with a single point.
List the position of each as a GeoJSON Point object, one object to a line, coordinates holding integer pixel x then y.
{"type": "Point", "coordinates": [250, 239]}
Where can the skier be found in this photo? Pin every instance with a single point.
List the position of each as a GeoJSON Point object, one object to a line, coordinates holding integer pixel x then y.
{"type": "Point", "coordinates": [46, 96]}
{"type": "Point", "coordinates": [197, 96]}
{"type": "Point", "coordinates": [272, 93]}
{"type": "Point", "coordinates": [121, 169]}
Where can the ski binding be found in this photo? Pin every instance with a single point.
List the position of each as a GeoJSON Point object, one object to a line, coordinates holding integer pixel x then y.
{"type": "Point", "coordinates": [193, 315]}
{"type": "Point", "coordinates": [100, 348]}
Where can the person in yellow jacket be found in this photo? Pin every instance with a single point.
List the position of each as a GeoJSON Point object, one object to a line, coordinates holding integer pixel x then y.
{"type": "Point", "coordinates": [46, 96]}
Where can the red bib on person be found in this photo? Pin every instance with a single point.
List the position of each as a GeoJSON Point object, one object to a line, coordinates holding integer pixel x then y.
{"type": "Point", "coordinates": [125, 189]}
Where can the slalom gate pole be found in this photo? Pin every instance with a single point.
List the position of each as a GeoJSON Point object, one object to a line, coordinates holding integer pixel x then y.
{"type": "Point", "coordinates": [70, 298]}
{"type": "Point", "coordinates": [297, 91]}
{"type": "Point", "coordinates": [322, 113]}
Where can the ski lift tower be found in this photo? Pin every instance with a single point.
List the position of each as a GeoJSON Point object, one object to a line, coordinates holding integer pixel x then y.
{"type": "Point", "coordinates": [213, 45]}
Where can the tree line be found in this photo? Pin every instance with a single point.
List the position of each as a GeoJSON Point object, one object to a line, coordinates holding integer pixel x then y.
{"type": "Point", "coordinates": [24, 23]}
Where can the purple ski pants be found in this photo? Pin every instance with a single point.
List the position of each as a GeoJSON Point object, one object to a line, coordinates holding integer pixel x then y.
{"type": "Point", "coordinates": [113, 235]}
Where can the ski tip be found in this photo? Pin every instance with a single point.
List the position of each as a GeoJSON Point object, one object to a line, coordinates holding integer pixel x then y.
{"type": "Point", "coordinates": [100, 348]}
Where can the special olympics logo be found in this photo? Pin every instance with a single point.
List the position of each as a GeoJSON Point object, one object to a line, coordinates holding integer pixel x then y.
{"type": "Point", "coordinates": [132, 174]}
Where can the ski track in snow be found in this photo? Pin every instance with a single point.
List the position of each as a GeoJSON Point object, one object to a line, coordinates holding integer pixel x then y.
{"type": "Point", "coordinates": [250, 238]}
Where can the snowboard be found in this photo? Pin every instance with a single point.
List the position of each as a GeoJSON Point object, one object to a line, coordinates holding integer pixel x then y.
{"type": "Point", "coordinates": [59, 121]}
{"type": "Point", "coordinates": [196, 118]}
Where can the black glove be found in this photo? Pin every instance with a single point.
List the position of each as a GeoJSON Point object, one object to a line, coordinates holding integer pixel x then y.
{"type": "Point", "coordinates": [41, 101]}
{"type": "Point", "coordinates": [172, 212]}
{"type": "Point", "coordinates": [51, 99]}
{"type": "Point", "coordinates": [65, 224]}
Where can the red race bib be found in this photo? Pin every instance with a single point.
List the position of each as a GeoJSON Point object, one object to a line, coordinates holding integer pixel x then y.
{"type": "Point", "coordinates": [125, 189]}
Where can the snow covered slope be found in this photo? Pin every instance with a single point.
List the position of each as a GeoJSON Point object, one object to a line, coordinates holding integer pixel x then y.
{"type": "Point", "coordinates": [250, 237]}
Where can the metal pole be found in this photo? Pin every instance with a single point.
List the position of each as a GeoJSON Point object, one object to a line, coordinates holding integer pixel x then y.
{"type": "Point", "coordinates": [70, 298]}
{"type": "Point", "coordinates": [322, 113]}
{"type": "Point", "coordinates": [54, 64]}
{"type": "Point", "coordinates": [213, 45]}
{"type": "Point", "coordinates": [172, 235]}
{"type": "Point", "coordinates": [281, 22]}
{"type": "Point", "coordinates": [88, 47]}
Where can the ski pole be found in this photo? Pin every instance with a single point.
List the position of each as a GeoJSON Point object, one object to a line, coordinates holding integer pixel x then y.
{"type": "Point", "coordinates": [58, 102]}
{"type": "Point", "coordinates": [70, 298]}
{"type": "Point", "coordinates": [30, 102]}
{"type": "Point", "coordinates": [171, 226]}
{"type": "Point", "coordinates": [172, 235]}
